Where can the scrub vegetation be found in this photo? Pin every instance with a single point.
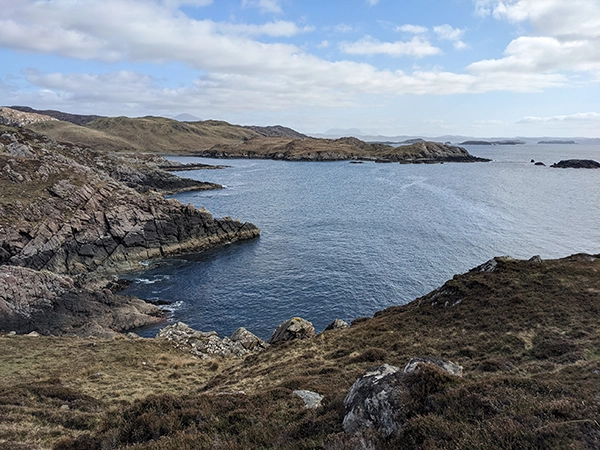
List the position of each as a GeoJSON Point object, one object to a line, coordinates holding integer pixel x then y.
{"type": "Point", "coordinates": [527, 335]}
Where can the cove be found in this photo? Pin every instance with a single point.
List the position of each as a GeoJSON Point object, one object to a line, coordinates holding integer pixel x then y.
{"type": "Point", "coordinates": [341, 240]}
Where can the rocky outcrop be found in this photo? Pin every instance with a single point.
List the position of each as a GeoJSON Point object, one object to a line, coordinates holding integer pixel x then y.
{"type": "Point", "coordinates": [77, 119]}
{"type": "Point", "coordinates": [14, 118]}
{"type": "Point", "coordinates": [48, 303]}
{"type": "Point", "coordinates": [79, 219]}
{"type": "Point", "coordinates": [577, 164]}
{"type": "Point", "coordinates": [295, 328]}
{"type": "Point", "coordinates": [381, 398]}
{"type": "Point", "coordinates": [68, 211]}
{"type": "Point", "coordinates": [209, 344]}
{"type": "Point", "coordinates": [337, 324]}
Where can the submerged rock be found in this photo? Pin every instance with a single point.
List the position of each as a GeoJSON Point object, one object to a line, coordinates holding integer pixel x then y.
{"type": "Point", "coordinates": [295, 328]}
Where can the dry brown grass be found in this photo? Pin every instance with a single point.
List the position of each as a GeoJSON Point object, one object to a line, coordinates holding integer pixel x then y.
{"type": "Point", "coordinates": [527, 335]}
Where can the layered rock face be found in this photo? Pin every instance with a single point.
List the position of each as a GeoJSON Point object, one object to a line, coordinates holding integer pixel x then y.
{"type": "Point", "coordinates": [41, 301]}
{"type": "Point", "coordinates": [62, 211]}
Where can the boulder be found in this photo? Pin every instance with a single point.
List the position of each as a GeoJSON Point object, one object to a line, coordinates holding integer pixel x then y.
{"type": "Point", "coordinates": [382, 396]}
{"type": "Point", "coordinates": [311, 400]}
{"type": "Point", "coordinates": [337, 324]}
{"type": "Point", "coordinates": [447, 366]}
{"type": "Point", "coordinates": [372, 402]}
{"type": "Point", "coordinates": [247, 339]}
{"type": "Point", "coordinates": [295, 328]}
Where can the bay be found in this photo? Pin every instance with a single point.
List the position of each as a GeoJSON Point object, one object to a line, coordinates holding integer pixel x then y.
{"type": "Point", "coordinates": [341, 240]}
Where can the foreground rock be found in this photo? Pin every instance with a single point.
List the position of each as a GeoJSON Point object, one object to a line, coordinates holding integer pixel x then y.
{"type": "Point", "coordinates": [53, 304]}
{"type": "Point", "coordinates": [380, 398]}
{"type": "Point", "coordinates": [295, 328]}
{"type": "Point", "coordinates": [577, 164]}
{"type": "Point", "coordinates": [209, 344]}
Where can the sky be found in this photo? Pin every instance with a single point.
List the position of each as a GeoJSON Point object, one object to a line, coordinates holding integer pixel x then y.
{"type": "Point", "coordinates": [385, 67]}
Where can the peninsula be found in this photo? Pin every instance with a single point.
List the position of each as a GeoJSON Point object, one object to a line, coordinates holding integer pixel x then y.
{"type": "Point", "coordinates": [217, 139]}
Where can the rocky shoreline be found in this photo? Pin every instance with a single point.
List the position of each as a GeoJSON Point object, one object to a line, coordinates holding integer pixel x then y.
{"type": "Point", "coordinates": [343, 149]}
{"type": "Point", "coordinates": [71, 217]}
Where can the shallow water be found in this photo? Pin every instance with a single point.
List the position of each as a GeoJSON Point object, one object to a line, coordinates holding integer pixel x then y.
{"type": "Point", "coordinates": [344, 240]}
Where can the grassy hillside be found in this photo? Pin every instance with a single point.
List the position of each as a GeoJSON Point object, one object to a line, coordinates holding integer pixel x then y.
{"type": "Point", "coordinates": [155, 134]}
{"type": "Point", "coordinates": [527, 335]}
{"type": "Point", "coordinates": [147, 134]}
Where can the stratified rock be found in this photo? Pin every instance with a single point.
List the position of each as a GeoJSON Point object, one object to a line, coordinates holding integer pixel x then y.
{"type": "Point", "coordinates": [311, 400]}
{"type": "Point", "coordinates": [247, 339]}
{"type": "Point", "coordinates": [77, 219]}
{"type": "Point", "coordinates": [577, 164]}
{"type": "Point", "coordinates": [381, 397]}
{"type": "Point", "coordinates": [53, 304]}
{"type": "Point", "coordinates": [337, 324]}
{"type": "Point", "coordinates": [75, 212]}
{"type": "Point", "coordinates": [295, 328]}
{"type": "Point", "coordinates": [207, 344]}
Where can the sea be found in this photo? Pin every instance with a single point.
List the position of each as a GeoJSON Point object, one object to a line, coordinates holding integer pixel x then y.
{"type": "Point", "coordinates": [343, 241]}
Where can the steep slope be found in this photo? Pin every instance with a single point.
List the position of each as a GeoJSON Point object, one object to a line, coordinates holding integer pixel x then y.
{"type": "Point", "coordinates": [526, 333]}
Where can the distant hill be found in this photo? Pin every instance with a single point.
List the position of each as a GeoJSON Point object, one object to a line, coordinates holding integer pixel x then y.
{"type": "Point", "coordinates": [149, 134]}
{"type": "Point", "coordinates": [185, 117]}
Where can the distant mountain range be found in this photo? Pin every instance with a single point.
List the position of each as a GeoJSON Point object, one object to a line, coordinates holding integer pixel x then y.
{"type": "Point", "coordinates": [455, 139]}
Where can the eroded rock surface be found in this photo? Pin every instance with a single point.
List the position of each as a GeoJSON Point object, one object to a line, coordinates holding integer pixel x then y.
{"type": "Point", "coordinates": [209, 344]}
{"type": "Point", "coordinates": [48, 303]}
{"type": "Point", "coordinates": [380, 399]}
{"type": "Point", "coordinates": [74, 212]}
{"type": "Point", "coordinates": [295, 328]}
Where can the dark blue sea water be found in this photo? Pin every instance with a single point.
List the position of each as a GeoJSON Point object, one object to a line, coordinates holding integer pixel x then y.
{"type": "Point", "coordinates": [343, 240]}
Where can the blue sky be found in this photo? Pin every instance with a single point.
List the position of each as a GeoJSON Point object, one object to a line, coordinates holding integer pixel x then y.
{"type": "Point", "coordinates": [391, 67]}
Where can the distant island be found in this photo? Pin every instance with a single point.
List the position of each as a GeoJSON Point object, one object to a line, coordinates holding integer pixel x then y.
{"type": "Point", "coordinates": [503, 142]}
{"type": "Point", "coordinates": [557, 142]}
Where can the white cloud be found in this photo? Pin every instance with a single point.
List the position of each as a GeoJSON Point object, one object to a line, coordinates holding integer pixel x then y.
{"type": "Point", "coordinates": [589, 117]}
{"type": "Point", "coordinates": [266, 6]}
{"type": "Point", "coordinates": [278, 28]}
{"type": "Point", "coordinates": [342, 28]}
{"type": "Point", "coordinates": [566, 36]}
{"type": "Point", "coordinates": [413, 29]}
{"type": "Point", "coordinates": [448, 33]}
{"type": "Point", "coordinates": [372, 2]}
{"type": "Point", "coordinates": [417, 47]}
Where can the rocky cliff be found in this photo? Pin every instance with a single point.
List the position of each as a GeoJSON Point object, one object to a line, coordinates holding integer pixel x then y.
{"type": "Point", "coordinates": [71, 211]}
